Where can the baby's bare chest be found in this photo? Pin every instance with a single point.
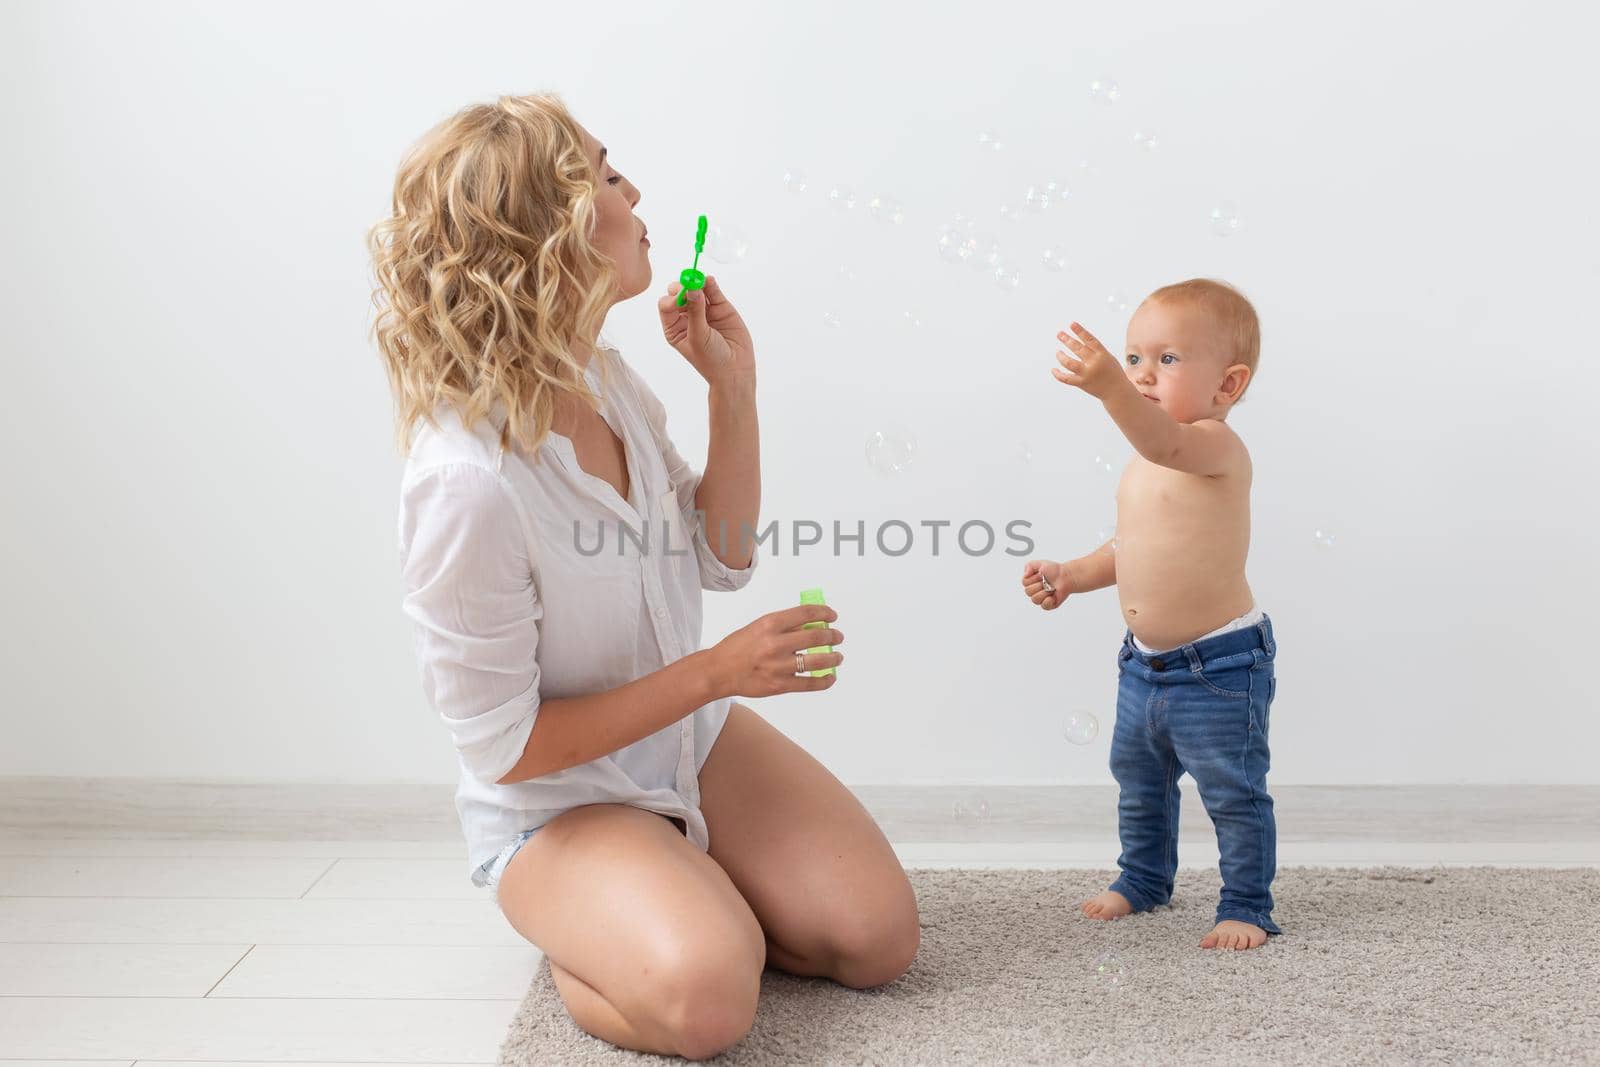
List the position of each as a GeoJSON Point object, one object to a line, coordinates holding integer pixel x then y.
{"type": "Point", "coordinates": [1154, 496]}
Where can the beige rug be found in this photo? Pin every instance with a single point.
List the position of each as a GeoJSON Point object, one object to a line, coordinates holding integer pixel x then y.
{"type": "Point", "coordinates": [1377, 965]}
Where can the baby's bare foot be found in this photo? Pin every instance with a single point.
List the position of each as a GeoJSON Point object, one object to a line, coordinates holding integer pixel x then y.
{"type": "Point", "coordinates": [1231, 933]}
{"type": "Point", "coordinates": [1108, 905]}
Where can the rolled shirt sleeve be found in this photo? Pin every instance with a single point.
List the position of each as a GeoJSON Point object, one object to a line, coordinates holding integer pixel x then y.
{"type": "Point", "coordinates": [470, 591]}
{"type": "Point", "coordinates": [715, 575]}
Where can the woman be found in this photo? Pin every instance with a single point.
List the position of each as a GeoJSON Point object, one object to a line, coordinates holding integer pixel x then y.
{"type": "Point", "coordinates": [659, 842]}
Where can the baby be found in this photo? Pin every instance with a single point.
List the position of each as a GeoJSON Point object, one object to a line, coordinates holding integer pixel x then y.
{"type": "Point", "coordinates": [1196, 668]}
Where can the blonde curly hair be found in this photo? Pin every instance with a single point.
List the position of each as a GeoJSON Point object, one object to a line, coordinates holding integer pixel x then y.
{"type": "Point", "coordinates": [485, 280]}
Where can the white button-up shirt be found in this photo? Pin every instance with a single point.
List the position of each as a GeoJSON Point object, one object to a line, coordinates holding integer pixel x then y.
{"type": "Point", "coordinates": [527, 581]}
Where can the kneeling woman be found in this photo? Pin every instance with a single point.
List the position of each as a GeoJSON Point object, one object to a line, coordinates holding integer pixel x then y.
{"type": "Point", "coordinates": [659, 842]}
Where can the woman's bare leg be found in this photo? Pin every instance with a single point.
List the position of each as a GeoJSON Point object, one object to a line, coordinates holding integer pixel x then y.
{"type": "Point", "coordinates": [830, 893]}
{"type": "Point", "coordinates": [651, 946]}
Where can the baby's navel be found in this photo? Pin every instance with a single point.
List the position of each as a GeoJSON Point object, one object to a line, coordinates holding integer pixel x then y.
{"type": "Point", "coordinates": [1133, 611]}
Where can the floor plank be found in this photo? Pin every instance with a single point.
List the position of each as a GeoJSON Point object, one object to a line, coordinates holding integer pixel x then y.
{"type": "Point", "coordinates": [395, 879]}
{"type": "Point", "coordinates": [85, 920]}
{"type": "Point", "coordinates": [175, 846]}
{"type": "Point", "coordinates": [403, 1031]}
{"type": "Point", "coordinates": [35, 970]}
{"type": "Point", "coordinates": [141, 876]}
{"type": "Point", "coordinates": [419, 972]}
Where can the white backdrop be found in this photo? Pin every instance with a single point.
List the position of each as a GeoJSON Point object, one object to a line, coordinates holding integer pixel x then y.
{"type": "Point", "coordinates": [199, 567]}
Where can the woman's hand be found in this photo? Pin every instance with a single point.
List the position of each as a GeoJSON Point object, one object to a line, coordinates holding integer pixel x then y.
{"type": "Point", "coordinates": [1045, 583]}
{"type": "Point", "coordinates": [709, 333]}
{"type": "Point", "coordinates": [759, 660]}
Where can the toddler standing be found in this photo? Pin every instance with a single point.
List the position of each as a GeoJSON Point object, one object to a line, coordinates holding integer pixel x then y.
{"type": "Point", "coordinates": [1196, 668]}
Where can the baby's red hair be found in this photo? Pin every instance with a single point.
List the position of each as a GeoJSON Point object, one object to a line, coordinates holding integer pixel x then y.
{"type": "Point", "coordinates": [1241, 330]}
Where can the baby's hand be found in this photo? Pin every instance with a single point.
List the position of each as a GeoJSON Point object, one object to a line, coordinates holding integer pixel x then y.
{"type": "Point", "coordinates": [1045, 583]}
{"type": "Point", "coordinates": [1095, 371]}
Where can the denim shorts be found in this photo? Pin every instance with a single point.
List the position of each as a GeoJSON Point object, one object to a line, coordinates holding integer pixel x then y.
{"type": "Point", "coordinates": [489, 874]}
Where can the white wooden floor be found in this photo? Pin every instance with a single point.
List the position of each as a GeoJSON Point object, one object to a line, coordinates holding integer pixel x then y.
{"type": "Point", "coordinates": [236, 925]}
{"type": "Point", "coordinates": [151, 951]}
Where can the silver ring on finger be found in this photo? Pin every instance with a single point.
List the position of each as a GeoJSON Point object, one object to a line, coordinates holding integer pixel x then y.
{"type": "Point", "coordinates": [799, 663]}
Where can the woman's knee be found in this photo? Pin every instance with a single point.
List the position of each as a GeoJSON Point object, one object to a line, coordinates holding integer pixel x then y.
{"type": "Point", "coordinates": [874, 946]}
{"type": "Point", "coordinates": [706, 998]}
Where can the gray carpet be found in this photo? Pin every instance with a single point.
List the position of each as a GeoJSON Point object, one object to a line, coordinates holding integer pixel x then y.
{"type": "Point", "coordinates": [1375, 965]}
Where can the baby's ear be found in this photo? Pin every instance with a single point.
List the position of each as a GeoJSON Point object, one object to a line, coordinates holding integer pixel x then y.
{"type": "Point", "coordinates": [1243, 372]}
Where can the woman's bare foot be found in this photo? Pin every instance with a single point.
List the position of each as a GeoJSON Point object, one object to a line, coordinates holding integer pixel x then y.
{"type": "Point", "coordinates": [1231, 933]}
{"type": "Point", "coordinates": [1108, 905]}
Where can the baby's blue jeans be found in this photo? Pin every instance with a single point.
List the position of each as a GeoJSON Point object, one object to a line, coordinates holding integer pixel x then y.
{"type": "Point", "coordinates": [1200, 708]}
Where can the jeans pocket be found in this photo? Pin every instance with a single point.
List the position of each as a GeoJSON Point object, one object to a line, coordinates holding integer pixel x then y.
{"type": "Point", "coordinates": [1234, 681]}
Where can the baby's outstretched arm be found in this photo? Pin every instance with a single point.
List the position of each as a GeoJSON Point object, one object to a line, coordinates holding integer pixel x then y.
{"type": "Point", "coordinates": [1151, 431]}
{"type": "Point", "coordinates": [1206, 446]}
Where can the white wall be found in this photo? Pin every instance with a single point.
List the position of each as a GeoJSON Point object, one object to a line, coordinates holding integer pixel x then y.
{"type": "Point", "coordinates": [199, 563]}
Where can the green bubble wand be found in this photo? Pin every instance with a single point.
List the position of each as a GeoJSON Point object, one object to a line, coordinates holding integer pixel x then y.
{"type": "Point", "coordinates": [692, 278]}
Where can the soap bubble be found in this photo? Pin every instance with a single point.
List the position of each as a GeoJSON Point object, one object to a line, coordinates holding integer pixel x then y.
{"type": "Point", "coordinates": [1145, 139]}
{"type": "Point", "coordinates": [961, 244]}
{"type": "Point", "coordinates": [891, 449]}
{"type": "Point", "coordinates": [950, 242]}
{"type": "Point", "coordinates": [1046, 194]}
{"type": "Point", "coordinates": [1081, 728]}
{"type": "Point", "coordinates": [1105, 533]}
{"type": "Point", "coordinates": [830, 319]}
{"type": "Point", "coordinates": [1109, 971]}
{"type": "Point", "coordinates": [1025, 451]}
{"type": "Point", "coordinates": [841, 196]}
{"type": "Point", "coordinates": [1105, 91]}
{"type": "Point", "coordinates": [953, 242]}
{"type": "Point", "coordinates": [1006, 278]}
{"type": "Point", "coordinates": [913, 320]}
{"type": "Point", "coordinates": [973, 808]}
{"type": "Point", "coordinates": [958, 224]}
{"type": "Point", "coordinates": [1104, 465]}
{"type": "Point", "coordinates": [1225, 219]}
{"type": "Point", "coordinates": [1117, 302]}
{"type": "Point", "coordinates": [1322, 538]}
{"type": "Point", "coordinates": [1055, 258]}
{"type": "Point", "coordinates": [846, 273]}
{"type": "Point", "coordinates": [983, 251]}
{"type": "Point", "coordinates": [794, 180]}
{"type": "Point", "coordinates": [886, 209]}
{"type": "Point", "coordinates": [726, 243]}
{"type": "Point", "coordinates": [987, 139]}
